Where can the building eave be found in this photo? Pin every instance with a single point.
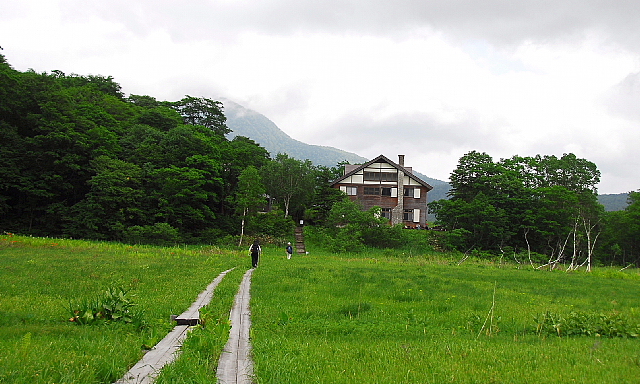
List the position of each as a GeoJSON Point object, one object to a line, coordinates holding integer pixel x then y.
{"type": "Point", "coordinates": [385, 159]}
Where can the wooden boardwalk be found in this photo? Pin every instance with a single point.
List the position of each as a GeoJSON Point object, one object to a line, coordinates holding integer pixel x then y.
{"type": "Point", "coordinates": [235, 365]}
{"type": "Point", "coordinates": [168, 349]}
{"type": "Point", "coordinates": [300, 248]}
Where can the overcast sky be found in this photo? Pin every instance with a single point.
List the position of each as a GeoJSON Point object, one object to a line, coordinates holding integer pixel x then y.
{"type": "Point", "coordinates": [431, 79]}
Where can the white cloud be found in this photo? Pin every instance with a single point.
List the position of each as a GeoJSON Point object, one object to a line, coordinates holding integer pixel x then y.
{"type": "Point", "coordinates": [431, 79]}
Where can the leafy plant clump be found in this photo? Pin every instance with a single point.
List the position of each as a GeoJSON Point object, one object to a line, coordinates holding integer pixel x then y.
{"type": "Point", "coordinates": [116, 305]}
{"type": "Point", "coordinates": [613, 324]}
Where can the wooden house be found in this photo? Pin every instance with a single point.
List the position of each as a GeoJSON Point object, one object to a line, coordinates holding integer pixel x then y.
{"type": "Point", "coordinates": [393, 187]}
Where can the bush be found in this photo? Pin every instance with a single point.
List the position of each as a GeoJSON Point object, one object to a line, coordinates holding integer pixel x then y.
{"type": "Point", "coordinates": [385, 236]}
{"type": "Point", "coordinates": [157, 234]}
{"type": "Point", "coordinates": [272, 224]}
{"type": "Point", "coordinates": [348, 239]}
{"type": "Point", "coordinates": [456, 239]}
{"type": "Point", "coordinates": [613, 324]}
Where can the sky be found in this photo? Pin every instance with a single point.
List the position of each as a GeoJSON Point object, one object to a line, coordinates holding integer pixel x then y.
{"type": "Point", "coordinates": [430, 79]}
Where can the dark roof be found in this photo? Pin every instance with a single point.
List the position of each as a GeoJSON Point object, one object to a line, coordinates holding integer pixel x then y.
{"type": "Point", "coordinates": [386, 160]}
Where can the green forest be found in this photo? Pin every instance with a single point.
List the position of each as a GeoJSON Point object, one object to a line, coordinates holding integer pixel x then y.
{"type": "Point", "coordinates": [541, 210]}
{"type": "Point", "coordinates": [80, 159]}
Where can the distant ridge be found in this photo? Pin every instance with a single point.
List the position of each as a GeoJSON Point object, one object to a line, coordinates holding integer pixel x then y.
{"type": "Point", "coordinates": [614, 202]}
{"type": "Point", "coordinates": [246, 122]}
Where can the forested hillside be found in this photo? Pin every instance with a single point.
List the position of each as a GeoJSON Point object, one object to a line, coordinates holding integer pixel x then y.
{"type": "Point", "coordinates": [614, 202]}
{"type": "Point", "coordinates": [80, 159]}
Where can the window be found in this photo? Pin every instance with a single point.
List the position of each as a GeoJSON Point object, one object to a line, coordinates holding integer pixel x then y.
{"type": "Point", "coordinates": [349, 190]}
{"type": "Point", "coordinates": [380, 176]}
{"type": "Point", "coordinates": [386, 191]}
{"type": "Point", "coordinates": [371, 191]}
{"type": "Point", "coordinates": [386, 213]}
{"type": "Point", "coordinates": [407, 215]}
{"type": "Point", "coordinates": [412, 192]}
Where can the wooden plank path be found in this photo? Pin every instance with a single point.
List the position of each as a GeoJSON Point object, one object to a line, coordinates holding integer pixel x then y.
{"type": "Point", "coordinates": [235, 365]}
{"type": "Point", "coordinates": [168, 349]}
{"type": "Point", "coordinates": [299, 234]}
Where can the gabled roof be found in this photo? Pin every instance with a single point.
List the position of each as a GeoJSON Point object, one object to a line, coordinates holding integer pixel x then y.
{"type": "Point", "coordinates": [386, 160]}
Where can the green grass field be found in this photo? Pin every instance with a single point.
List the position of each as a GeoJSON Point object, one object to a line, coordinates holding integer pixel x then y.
{"type": "Point", "coordinates": [39, 278]}
{"type": "Point", "coordinates": [327, 319]}
{"type": "Point", "coordinates": [319, 318]}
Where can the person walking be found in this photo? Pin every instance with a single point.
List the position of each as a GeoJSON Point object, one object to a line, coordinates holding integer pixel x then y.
{"type": "Point", "coordinates": [255, 251]}
{"type": "Point", "coordinates": [289, 250]}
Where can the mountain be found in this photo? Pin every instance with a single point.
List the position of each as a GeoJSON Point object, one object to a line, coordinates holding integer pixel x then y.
{"type": "Point", "coordinates": [614, 202]}
{"type": "Point", "coordinates": [251, 124]}
{"type": "Point", "coordinates": [246, 122]}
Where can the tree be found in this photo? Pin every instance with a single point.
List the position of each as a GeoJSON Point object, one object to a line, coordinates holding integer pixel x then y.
{"type": "Point", "coordinates": [113, 203]}
{"type": "Point", "coordinates": [289, 181]}
{"type": "Point", "coordinates": [80, 159]}
{"type": "Point", "coordinates": [324, 196]}
{"type": "Point", "coordinates": [538, 204]}
{"type": "Point", "coordinates": [202, 111]}
{"type": "Point", "coordinates": [250, 195]}
{"type": "Point", "coordinates": [621, 234]}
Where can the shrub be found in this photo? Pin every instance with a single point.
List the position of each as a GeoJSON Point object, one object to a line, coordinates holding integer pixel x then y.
{"type": "Point", "coordinates": [456, 239]}
{"type": "Point", "coordinates": [272, 224]}
{"type": "Point", "coordinates": [116, 305]}
{"type": "Point", "coordinates": [613, 324]}
{"type": "Point", "coordinates": [158, 234]}
{"type": "Point", "coordinates": [348, 239]}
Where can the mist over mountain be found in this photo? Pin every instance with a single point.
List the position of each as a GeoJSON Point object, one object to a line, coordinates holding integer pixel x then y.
{"type": "Point", "coordinates": [246, 122]}
{"type": "Point", "coordinates": [254, 125]}
{"type": "Point", "coordinates": [249, 123]}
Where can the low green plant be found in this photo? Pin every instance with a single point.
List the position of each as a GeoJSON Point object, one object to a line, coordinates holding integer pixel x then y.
{"type": "Point", "coordinates": [115, 305]}
{"type": "Point", "coordinates": [612, 324]}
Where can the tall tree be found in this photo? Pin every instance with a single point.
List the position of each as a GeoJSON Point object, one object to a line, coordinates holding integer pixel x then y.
{"type": "Point", "coordinates": [289, 181]}
{"type": "Point", "coordinates": [203, 111]}
{"type": "Point", "coordinates": [539, 204]}
{"type": "Point", "coordinates": [250, 195]}
{"type": "Point", "coordinates": [324, 197]}
{"type": "Point", "coordinates": [621, 235]}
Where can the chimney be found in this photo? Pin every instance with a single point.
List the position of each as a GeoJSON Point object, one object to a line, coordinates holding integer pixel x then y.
{"type": "Point", "coordinates": [401, 160]}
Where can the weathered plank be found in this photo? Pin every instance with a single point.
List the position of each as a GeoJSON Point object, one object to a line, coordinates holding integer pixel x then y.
{"type": "Point", "coordinates": [168, 349]}
{"type": "Point", "coordinates": [192, 315]}
{"type": "Point", "coordinates": [235, 365]}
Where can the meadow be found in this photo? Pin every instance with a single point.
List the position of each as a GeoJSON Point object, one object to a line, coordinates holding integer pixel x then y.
{"type": "Point", "coordinates": [42, 279]}
{"type": "Point", "coordinates": [375, 317]}
{"type": "Point", "coordinates": [425, 319]}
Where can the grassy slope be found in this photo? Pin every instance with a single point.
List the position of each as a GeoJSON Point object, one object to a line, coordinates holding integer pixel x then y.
{"type": "Point", "coordinates": [335, 320]}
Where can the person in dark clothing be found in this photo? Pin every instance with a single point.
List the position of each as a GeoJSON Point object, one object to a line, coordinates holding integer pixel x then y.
{"type": "Point", "coordinates": [255, 251]}
{"type": "Point", "coordinates": [289, 250]}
